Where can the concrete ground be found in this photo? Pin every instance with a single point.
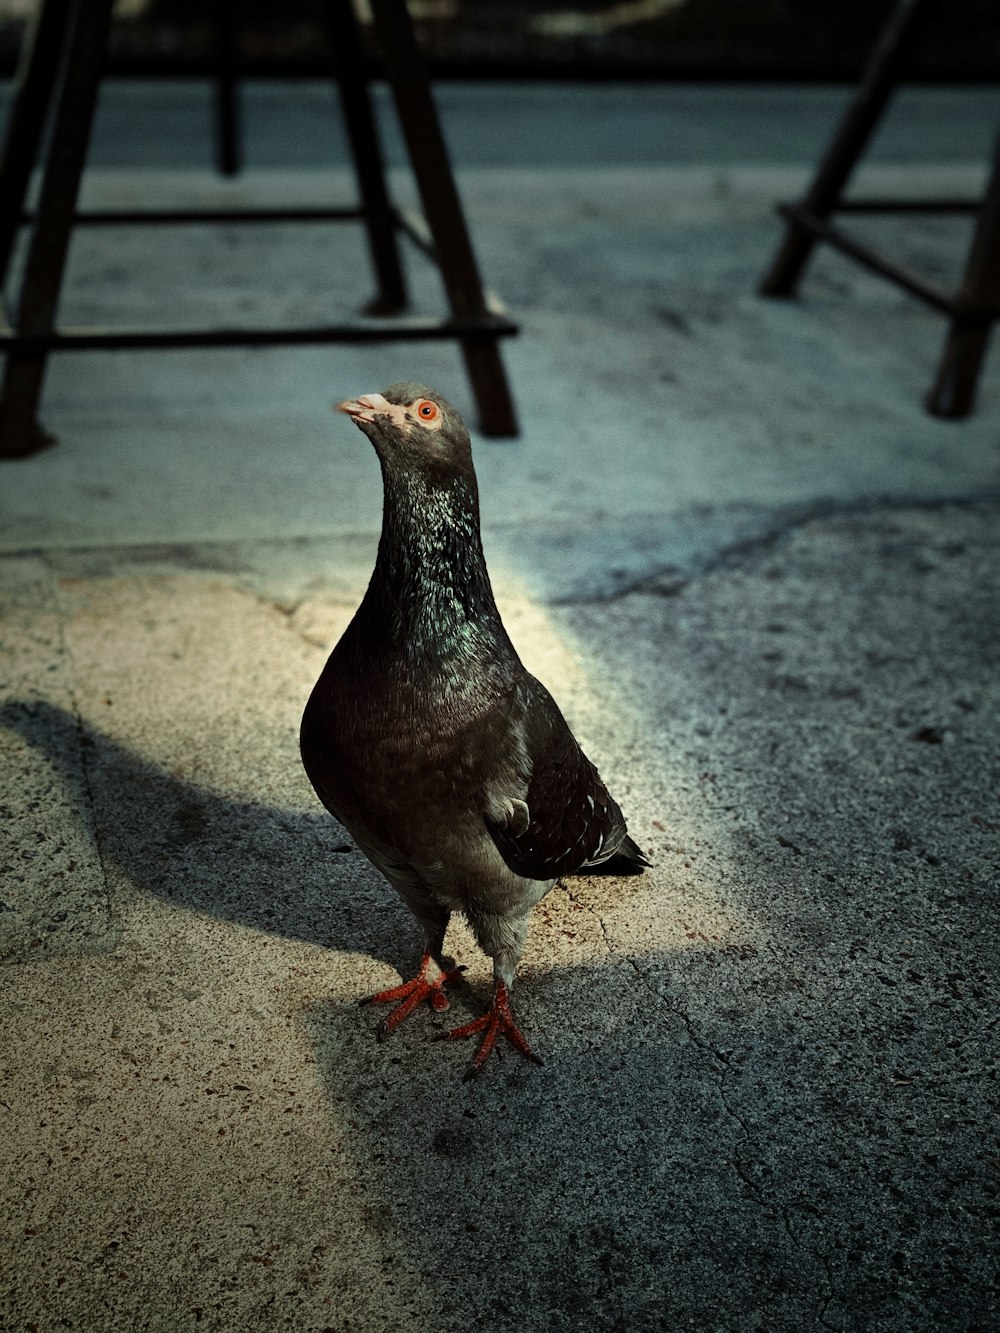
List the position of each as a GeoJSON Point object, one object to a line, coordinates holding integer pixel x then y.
{"type": "Point", "coordinates": [762, 583]}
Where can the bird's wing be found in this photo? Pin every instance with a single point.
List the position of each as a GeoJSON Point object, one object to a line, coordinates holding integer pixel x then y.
{"type": "Point", "coordinates": [567, 819]}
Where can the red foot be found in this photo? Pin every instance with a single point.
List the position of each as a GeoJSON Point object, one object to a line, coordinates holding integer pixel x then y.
{"type": "Point", "coordinates": [497, 1019]}
{"type": "Point", "coordinates": [412, 993]}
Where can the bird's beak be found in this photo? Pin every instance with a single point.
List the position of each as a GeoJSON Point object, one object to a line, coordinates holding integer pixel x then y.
{"type": "Point", "coordinates": [366, 407]}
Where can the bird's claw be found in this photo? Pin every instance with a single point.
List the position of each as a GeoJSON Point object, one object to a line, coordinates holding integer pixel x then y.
{"type": "Point", "coordinates": [498, 1018]}
{"type": "Point", "coordinates": [411, 994]}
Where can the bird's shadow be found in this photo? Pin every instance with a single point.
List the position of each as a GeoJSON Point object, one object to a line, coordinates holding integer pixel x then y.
{"type": "Point", "coordinates": [292, 873]}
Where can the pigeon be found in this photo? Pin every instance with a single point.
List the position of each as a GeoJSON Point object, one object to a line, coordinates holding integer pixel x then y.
{"type": "Point", "coordinates": [450, 766]}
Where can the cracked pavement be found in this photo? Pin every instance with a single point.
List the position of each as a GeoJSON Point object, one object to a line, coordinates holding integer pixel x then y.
{"type": "Point", "coordinates": [765, 589]}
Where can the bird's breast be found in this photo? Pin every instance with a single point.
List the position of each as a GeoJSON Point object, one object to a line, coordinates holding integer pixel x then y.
{"type": "Point", "coordinates": [388, 751]}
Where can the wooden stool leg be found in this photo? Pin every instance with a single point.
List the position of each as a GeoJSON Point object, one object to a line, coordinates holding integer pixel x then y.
{"type": "Point", "coordinates": [978, 300]}
{"type": "Point", "coordinates": [36, 77]}
{"type": "Point", "coordinates": [366, 154]}
{"type": "Point", "coordinates": [848, 143]}
{"type": "Point", "coordinates": [228, 147]}
{"type": "Point", "coordinates": [25, 371]}
{"type": "Point", "coordinates": [443, 210]}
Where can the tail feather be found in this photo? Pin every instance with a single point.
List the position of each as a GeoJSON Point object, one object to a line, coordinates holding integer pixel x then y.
{"type": "Point", "coordinates": [631, 851]}
{"type": "Point", "coordinates": [627, 859]}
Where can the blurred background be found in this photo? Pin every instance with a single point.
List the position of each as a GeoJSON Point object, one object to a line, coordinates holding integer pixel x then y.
{"type": "Point", "coordinates": [677, 39]}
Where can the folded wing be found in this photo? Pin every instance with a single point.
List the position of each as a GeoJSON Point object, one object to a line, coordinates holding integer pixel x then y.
{"type": "Point", "coordinates": [567, 820]}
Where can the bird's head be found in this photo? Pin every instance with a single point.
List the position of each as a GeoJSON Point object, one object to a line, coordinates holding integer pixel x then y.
{"type": "Point", "coordinates": [413, 428]}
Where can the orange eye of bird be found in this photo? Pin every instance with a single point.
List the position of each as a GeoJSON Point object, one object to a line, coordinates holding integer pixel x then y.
{"type": "Point", "coordinates": [427, 411]}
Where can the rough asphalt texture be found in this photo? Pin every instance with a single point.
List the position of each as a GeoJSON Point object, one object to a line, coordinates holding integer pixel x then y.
{"type": "Point", "coordinates": [764, 587]}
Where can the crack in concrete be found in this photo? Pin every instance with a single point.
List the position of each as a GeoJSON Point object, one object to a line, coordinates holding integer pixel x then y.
{"type": "Point", "coordinates": [784, 523]}
{"type": "Point", "coordinates": [575, 898]}
{"type": "Point", "coordinates": [230, 555]}
{"type": "Point", "coordinates": [831, 1293]}
{"type": "Point", "coordinates": [725, 1063]}
{"type": "Point", "coordinates": [933, 1080]}
{"type": "Point", "coordinates": [84, 742]}
{"type": "Point", "coordinates": [781, 1210]}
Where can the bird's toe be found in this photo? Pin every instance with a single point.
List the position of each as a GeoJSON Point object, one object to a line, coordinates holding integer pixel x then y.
{"type": "Point", "coordinates": [497, 1019]}
{"type": "Point", "coordinates": [410, 994]}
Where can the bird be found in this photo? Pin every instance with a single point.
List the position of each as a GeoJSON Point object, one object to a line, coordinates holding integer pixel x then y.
{"type": "Point", "coordinates": [448, 763]}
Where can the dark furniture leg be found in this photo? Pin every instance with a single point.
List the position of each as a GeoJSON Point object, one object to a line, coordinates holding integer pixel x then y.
{"type": "Point", "coordinates": [443, 210]}
{"type": "Point", "coordinates": [228, 155]}
{"type": "Point", "coordinates": [977, 305]}
{"type": "Point", "coordinates": [36, 77]}
{"type": "Point", "coordinates": [76, 99]}
{"type": "Point", "coordinates": [77, 32]}
{"type": "Point", "coordinates": [366, 154]}
{"type": "Point", "coordinates": [847, 146]}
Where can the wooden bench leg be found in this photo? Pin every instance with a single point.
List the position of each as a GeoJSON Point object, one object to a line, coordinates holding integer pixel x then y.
{"type": "Point", "coordinates": [366, 154]}
{"type": "Point", "coordinates": [443, 211]}
{"type": "Point", "coordinates": [228, 136]}
{"type": "Point", "coordinates": [849, 142]}
{"type": "Point", "coordinates": [36, 77]}
{"type": "Point", "coordinates": [978, 301]}
{"type": "Point", "coordinates": [76, 98]}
